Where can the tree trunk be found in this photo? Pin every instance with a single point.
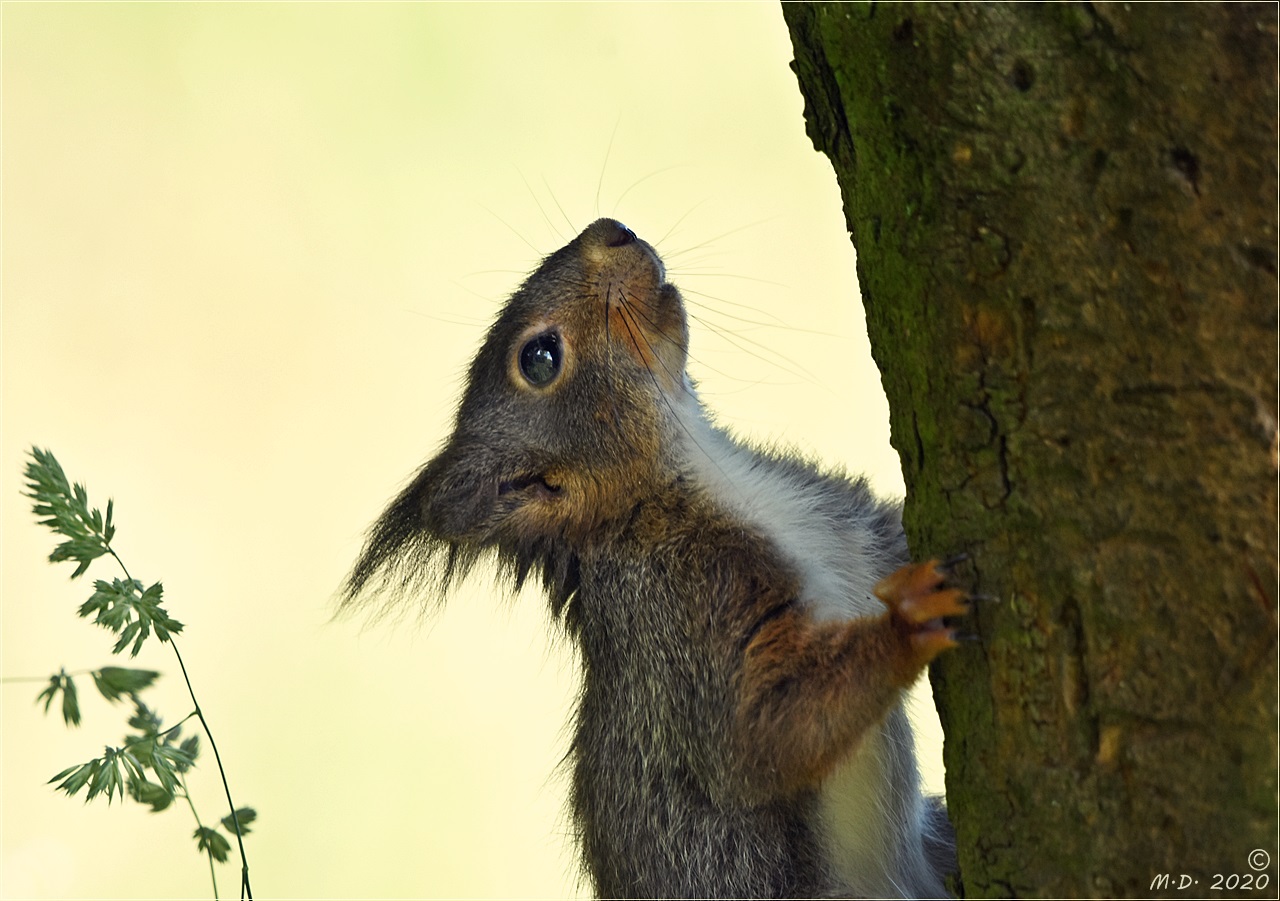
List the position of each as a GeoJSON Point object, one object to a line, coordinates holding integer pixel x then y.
{"type": "Point", "coordinates": [1065, 220]}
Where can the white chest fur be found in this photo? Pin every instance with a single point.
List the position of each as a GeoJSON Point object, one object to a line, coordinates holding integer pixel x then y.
{"type": "Point", "coordinates": [870, 807]}
{"type": "Point", "coordinates": [837, 557]}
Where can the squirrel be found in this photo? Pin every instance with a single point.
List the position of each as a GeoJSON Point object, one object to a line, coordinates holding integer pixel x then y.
{"type": "Point", "coordinates": [747, 623]}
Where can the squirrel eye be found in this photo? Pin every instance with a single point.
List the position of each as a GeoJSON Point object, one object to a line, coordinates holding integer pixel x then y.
{"type": "Point", "coordinates": [540, 359]}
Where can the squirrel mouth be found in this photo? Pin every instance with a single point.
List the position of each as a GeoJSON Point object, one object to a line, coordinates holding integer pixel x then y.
{"type": "Point", "coordinates": [525, 482]}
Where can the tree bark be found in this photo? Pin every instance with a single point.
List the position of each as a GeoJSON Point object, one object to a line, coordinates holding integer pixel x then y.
{"type": "Point", "coordinates": [1065, 221]}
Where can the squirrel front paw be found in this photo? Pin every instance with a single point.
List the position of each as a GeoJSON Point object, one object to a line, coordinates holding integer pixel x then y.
{"type": "Point", "coordinates": [918, 599]}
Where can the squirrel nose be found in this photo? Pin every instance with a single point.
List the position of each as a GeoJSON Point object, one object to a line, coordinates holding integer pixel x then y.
{"type": "Point", "coordinates": [609, 233]}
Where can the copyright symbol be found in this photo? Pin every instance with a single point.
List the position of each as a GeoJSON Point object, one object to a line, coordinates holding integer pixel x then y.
{"type": "Point", "coordinates": [1259, 859]}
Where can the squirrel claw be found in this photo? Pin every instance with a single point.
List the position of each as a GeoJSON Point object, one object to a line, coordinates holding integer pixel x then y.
{"type": "Point", "coordinates": [915, 593]}
{"type": "Point", "coordinates": [932, 641]}
{"type": "Point", "coordinates": [918, 600]}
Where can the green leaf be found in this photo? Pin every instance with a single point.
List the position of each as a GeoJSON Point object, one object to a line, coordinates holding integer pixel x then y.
{"type": "Point", "coordinates": [63, 683]}
{"type": "Point", "coordinates": [245, 815]}
{"type": "Point", "coordinates": [124, 607]}
{"type": "Point", "coordinates": [114, 682]}
{"type": "Point", "coordinates": [70, 703]}
{"type": "Point", "coordinates": [190, 747]}
{"type": "Point", "coordinates": [130, 631]}
{"type": "Point", "coordinates": [121, 771]}
{"type": "Point", "coordinates": [144, 719]}
{"type": "Point", "coordinates": [133, 769]}
{"type": "Point", "coordinates": [146, 792]}
{"type": "Point", "coordinates": [50, 692]}
{"type": "Point", "coordinates": [171, 756]}
{"type": "Point", "coordinates": [109, 531]}
{"type": "Point", "coordinates": [164, 772]}
{"type": "Point", "coordinates": [211, 840]}
{"type": "Point", "coordinates": [74, 778]}
{"type": "Point", "coordinates": [64, 508]}
{"type": "Point", "coordinates": [107, 777]}
{"type": "Point", "coordinates": [113, 602]}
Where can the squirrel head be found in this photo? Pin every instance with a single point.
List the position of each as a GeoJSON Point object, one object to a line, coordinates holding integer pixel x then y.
{"type": "Point", "coordinates": [568, 414]}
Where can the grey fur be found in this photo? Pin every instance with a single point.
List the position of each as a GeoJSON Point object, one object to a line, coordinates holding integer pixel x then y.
{"type": "Point", "coordinates": [665, 801]}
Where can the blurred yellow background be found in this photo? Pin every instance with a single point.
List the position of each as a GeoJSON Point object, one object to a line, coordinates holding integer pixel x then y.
{"type": "Point", "coordinates": [247, 251]}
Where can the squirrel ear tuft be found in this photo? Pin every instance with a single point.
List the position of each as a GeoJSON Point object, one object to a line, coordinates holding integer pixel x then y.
{"type": "Point", "coordinates": [456, 492]}
{"type": "Point", "coordinates": [395, 550]}
{"type": "Point", "coordinates": [424, 540]}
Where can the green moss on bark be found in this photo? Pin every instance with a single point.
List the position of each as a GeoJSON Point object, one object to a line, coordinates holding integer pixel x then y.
{"type": "Point", "coordinates": [1065, 224]}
